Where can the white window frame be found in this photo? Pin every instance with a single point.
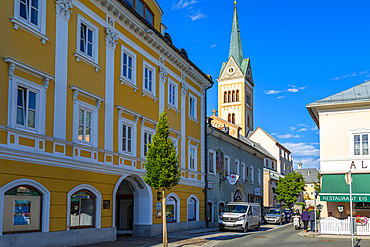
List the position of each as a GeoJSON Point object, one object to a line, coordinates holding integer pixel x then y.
{"type": "Point", "coordinates": [177, 208]}
{"type": "Point", "coordinates": [94, 122]}
{"type": "Point", "coordinates": [38, 30]}
{"type": "Point", "coordinates": [352, 134]}
{"type": "Point", "coordinates": [40, 104]}
{"type": "Point", "coordinates": [175, 142]}
{"type": "Point", "coordinates": [173, 106]}
{"type": "Point", "coordinates": [90, 60]}
{"type": "Point", "coordinates": [129, 82]}
{"type": "Point", "coordinates": [214, 161]}
{"type": "Point", "coordinates": [227, 163]}
{"type": "Point", "coordinates": [144, 130]}
{"type": "Point", "coordinates": [197, 207]}
{"type": "Point", "coordinates": [147, 92]}
{"type": "Point", "coordinates": [133, 125]}
{"type": "Point", "coordinates": [194, 149]}
{"type": "Point", "coordinates": [243, 171]}
{"type": "Point", "coordinates": [98, 203]}
{"type": "Point", "coordinates": [237, 164]}
{"type": "Point", "coordinates": [251, 174]}
{"type": "Point", "coordinates": [191, 117]}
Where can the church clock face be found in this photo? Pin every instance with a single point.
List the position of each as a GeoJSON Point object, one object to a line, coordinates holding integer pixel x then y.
{"type": "Point", "coordinates": [231, 70]}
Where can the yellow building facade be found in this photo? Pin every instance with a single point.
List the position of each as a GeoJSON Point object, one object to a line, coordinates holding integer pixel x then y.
{"type": "Point", "coordinates": [82, 85]}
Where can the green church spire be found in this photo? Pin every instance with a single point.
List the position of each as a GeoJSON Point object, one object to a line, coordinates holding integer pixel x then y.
{"type": "Point", "coordinates": [235, 43]}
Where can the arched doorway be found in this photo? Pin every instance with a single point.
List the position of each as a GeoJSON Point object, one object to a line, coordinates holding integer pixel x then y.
{"type": "Point", "coordinates": [132, 206]}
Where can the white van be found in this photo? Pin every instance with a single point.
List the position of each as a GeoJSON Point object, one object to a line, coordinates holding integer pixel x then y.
{"type": "Point", "coordinates": [240, 216]}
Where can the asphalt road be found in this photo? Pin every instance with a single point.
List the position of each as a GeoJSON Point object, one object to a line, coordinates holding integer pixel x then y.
{"type": "Point", "coordinates": [282, 236]}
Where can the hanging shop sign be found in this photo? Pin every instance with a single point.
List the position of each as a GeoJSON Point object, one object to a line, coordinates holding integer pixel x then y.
{"type": "Point", "coordinates": [257, 191]}
{"type": "Point", "coordinates": [233, 178]}
{"type": "Point", "coordinates": [209, 185]}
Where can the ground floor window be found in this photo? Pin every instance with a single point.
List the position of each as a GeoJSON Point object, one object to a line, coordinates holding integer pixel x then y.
{"type": "Point", "coordinates": [192, 209]}
{"type": "Point", "coordinates": [209, 212]}
{"type": "Point", "coordinates": [22, 210]}
{"type": "Point", "coordinates": [171, 209]}
{"type": "Point", "coordinates": [82, 209]}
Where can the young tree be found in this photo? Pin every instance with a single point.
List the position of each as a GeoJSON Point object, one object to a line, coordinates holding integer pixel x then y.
{"type": "Point", "coordinates": [317, 185]}
{"type": "Point", "coordinates": [289, 188]}
{"type": "Point", "coordinates": [161, 167]}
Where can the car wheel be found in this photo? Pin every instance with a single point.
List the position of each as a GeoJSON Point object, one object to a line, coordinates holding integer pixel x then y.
{"type": "Point", "coordinates": [245, 228]}
{"type": "Point", "coordinates": [258, 227]}
{"type": "Point", "coordinates": [221, 230]}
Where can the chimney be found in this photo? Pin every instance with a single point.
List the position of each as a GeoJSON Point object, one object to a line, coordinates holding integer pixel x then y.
{"type": "Point", "coordinates": [299, 165]}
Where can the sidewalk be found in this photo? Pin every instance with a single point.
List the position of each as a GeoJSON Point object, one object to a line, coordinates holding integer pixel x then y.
{"type": "Point", "coordinates": [180, 238]}
{"type": "Point", "coordinates": [312, 234]}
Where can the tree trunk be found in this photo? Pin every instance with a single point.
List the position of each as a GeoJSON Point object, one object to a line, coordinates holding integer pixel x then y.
{"type": "Point", "coordinates": [164, 219]}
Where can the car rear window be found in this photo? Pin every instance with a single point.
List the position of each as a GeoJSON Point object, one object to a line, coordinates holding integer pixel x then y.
{"type": "Point", "coordinates": [273, 211]}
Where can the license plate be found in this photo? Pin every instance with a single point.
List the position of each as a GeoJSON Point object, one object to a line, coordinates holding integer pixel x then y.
{"type": "Point", "coordinates": [228, 224]}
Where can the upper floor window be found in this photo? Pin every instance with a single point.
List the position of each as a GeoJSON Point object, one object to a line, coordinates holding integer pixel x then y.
{"type": "Point", "coordinates": [192, 107]}
{"type": "Point", "coordinates": [273, 166]}
{"type": "Point", "coordinates": [227, 165]}
{"type": "Point", "coordinates": [242, 172]}
{"type": "Point", "coordinates": [237, 167]}
{"type": "Point", "coordinates": [26, 107]}
{"type": "Point", "coordinates": [252, 174]}
{"type": "Point", "coordinates": [126, 138]}
{"type": "Point", "coordinates": [361, 144]}
{"type": "Point", "coordinates": [128, 69]}
{"type": "Point", "coordinates": [149, 80]}
{"type": "Point", "coordinates": [87, 42]}
{"type": "Point", "coordinates": [192, 158]}
{"type": "Point", "coordinates": [171, 93]}
{"type": "Point", "coordinates": [84, 125]}
{"type": "Point", "coordinates": [29, 10]}
{"type": "Point", "coordinates": [248, 99]}
{"type": "Point", "coordinates": [142, 9]}
{"type": "Point", "coordinates": [210, 161]}
{"type": "Point", "coordinates": [147, 141]}
{"type": "Point", "coordinates": [30, 15]}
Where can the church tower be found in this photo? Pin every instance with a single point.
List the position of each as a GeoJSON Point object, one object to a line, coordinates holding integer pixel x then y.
{"type": "Point", "coordinates": [235, 84]}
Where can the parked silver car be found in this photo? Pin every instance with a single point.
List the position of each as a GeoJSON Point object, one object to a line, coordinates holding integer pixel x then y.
{"type": "Point", "coordinates": [275, 215]}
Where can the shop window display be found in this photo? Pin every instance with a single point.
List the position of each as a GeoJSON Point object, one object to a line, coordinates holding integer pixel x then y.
{"type": "Point", "coordinates": [22, 210]}
{"type": "Point", "coordinates": [82, 210]}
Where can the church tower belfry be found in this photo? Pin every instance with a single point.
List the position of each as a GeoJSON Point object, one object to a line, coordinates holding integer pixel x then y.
{"type": "Point", "coordinates": [235, 84]}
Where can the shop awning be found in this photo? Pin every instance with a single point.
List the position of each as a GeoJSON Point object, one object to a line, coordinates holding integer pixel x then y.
{"type": "Point", "coordinates": [335, 189]}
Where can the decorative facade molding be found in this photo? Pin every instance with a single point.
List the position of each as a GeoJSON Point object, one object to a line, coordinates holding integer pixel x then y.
{"type": "Point", "coordinates": [63, 8]}
{"type": "Point", "coordinates": [111, 38]}
{"type": "Point", "coordinates": [184, 89]}
{"type": "Point", "coordinates": [11, 70]}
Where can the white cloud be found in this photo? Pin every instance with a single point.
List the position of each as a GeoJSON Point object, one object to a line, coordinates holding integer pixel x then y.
{"type": "Point", "coordinates": [272, 91]}
{"type": "Point", "coordinates": [288, 136]}
{"type": "Point", "coordinates": [292, 128]}
{"type": "Point", "coordinates": [303, 129]}
{"type": "Point", "coordinates": [353, 74]}
{"type": "Point", "coordinates": [280, 97]}
{"type": "Point", "coordinates": [292, 90]}
{"type": "Point", "coordinates": [197, 16]}
{"type": "Point", "coordinates": [183, 4]}
{"type": "Point", "coordinates": [213, 46]}
{"type": "Point", "coordinates": [307, 162]}
{"type": "Point", "coordinates": [302, 149]}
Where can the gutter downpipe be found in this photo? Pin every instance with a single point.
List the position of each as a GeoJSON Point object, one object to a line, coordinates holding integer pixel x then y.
{"type": "Point", "coordinates": [205, 150]}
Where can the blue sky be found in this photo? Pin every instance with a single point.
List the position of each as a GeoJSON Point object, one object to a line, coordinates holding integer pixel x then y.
{"type": "Point", "coordinates": [300, 51]}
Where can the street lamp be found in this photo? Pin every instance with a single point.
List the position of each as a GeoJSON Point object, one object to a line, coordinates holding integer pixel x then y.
{"type": "Point", "coordinates": [340, 209]}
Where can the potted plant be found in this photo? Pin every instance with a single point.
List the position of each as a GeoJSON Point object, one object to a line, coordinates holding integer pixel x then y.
{"type": "Point", "coordinates": [361, 221]}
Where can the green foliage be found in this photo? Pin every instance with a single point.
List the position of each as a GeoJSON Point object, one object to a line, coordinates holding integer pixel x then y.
{"type": "Point", "coordinates": [162, 170]}
{"type": "Point", "coordinates": [289, 188]}
{"type": "Point", "coordinates": [317, 185]}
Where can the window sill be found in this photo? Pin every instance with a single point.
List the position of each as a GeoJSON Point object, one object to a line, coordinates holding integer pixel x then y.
{"type": "Point", "coordinates": [87, 60]}
{"type": "Point", "coordinates": [28, 28]}
{"type": "Point", "coordinates": [128, 83]}
{"type": "Point", "coordinates": [191, 118]}
{"type": "Point", "coordinates": [30, 130]}
{"type": "Point", "coordinates": [149, 94]}
{"type": "Point", "coordinates": [88, 144]}
{"type": "Point", "coordinates": [173, 108]}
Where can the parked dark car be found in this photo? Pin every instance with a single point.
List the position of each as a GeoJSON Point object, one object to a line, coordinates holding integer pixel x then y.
{"type": "Point", "coordinates": [275, 215]}
{"type": "Point", "coordinates": [288, 215]}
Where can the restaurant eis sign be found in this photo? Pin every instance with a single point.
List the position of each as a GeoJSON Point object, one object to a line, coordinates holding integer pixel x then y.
{"type": "Point", "coordinates": [345, 198]}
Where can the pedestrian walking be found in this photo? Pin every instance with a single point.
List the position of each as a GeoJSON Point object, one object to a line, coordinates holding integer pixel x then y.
{"type": "Point", "coordinates": [305, 219]}
{"type": "Point", "coordinates": [311, 215]}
